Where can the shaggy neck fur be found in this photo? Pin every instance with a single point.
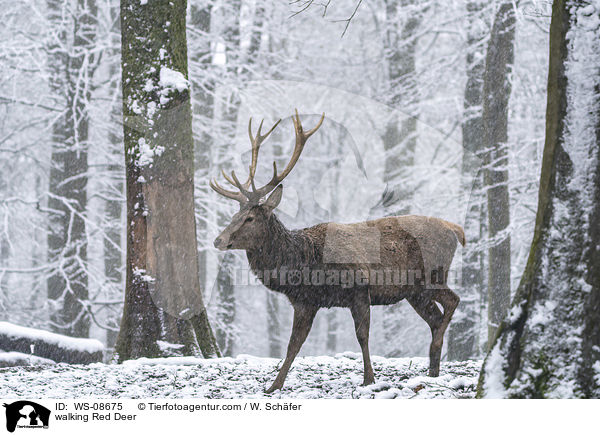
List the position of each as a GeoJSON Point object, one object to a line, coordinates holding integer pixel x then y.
{"type": "Point", "coordinates": [281, 248]}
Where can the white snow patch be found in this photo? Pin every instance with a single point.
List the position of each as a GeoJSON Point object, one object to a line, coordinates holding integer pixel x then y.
{"type": "Point", "coordinates": [18, 358]}
{"type": "Point", "coordinates": [596, 368]}
{"type": "Point", "coordinates": [494, 375]}
{"type": "Point", "coordinates": [149, 86]}
{"type": "Point", "coordinates": [173, 79]}
{"type": "Point", "coordinates": [165, 346]}
{"type": "Point", "coordinates": [142, 275]}
{"type": "Point", "coordinates": [147, 153]}
{"type": "Point", "coordinates": [79, 344]}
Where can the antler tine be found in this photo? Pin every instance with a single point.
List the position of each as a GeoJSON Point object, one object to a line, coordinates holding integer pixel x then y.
{"type": "Point", "coordinates": [301, 139]}
{"type": "Point", "coordinates": [242, 187]}
{"type": "Point", "coordinates": [256, 143]}
{"type": "Point", "coordinates": [229, 180]}
{"type": "Point", "coordinates": [238, 196]}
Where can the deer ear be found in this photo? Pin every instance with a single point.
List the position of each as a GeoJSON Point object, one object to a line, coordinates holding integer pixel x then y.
{"type": "Point", "coordinates": [275, 198]}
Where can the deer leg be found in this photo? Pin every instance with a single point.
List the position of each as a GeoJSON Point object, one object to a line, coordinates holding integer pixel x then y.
{"type": "Point", "coordinates": [361, 313]}
{"type": "Point", "coordinates": [303, 318]}
{"type": "Point", "coordinates": [429, 312]}
{"type": "Point", "coordinates": [449, 301]}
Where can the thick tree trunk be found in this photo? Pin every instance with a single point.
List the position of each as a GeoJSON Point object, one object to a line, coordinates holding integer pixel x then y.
{"type": "Point", "coordinates": [71, 72]}
{"type": "Point", "coordinates": [549, 344]}
{"type": "Point", "coordinates": [164, 313]}
{"type": "Point", "coordinates": [496, 93]}
{"type": "Point", "coordinates": [463, 335]}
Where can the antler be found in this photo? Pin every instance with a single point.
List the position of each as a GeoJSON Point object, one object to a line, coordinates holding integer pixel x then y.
{"type": "Point", "coordinates": [254, 195]}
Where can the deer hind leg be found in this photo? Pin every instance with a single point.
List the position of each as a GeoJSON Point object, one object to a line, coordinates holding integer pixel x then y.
{"type": "Point", "coordinates": [303, 319]}
{"type": "Point", "coordinates": [361, 313]}
{"type": "Point", "coordinates": [438, 322]}
{"type": "Point", "coordinates": [429, 311]}
{"type": "Point", "coordinates": [449, 301]}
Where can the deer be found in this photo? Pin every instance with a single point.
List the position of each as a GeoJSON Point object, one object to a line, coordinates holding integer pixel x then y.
{"type": "Point", "coordinates": [283, 259]}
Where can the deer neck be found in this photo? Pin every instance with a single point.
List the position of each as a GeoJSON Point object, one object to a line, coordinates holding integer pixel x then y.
{"type": "Point", "coordinates": [278, 248]}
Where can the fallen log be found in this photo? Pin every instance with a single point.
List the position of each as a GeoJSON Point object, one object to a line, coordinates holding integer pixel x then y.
{"type": "Point", "coordinates": [16, 359]}
{"type": "Point", "coordinates": [45, 344]}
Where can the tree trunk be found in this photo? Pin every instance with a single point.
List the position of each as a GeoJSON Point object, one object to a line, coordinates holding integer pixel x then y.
{"type": "Point", "coordinates": [164, 313]}
{"type": "Point", "coordinates": [235, 61]}
{"type": "Point", "coordinates": [113, 207]}
{"type": "Point", "coordinates": [273, 325]}
{"type": "Point", "coordinates": [71, 68]}
{"type": "Point", "coordinates": [203, 109]}
{"type": "Point", "coordinates": [400, 137]}
{"type": "Point", "coordinates": [226, 312]}
{"type": "Point", "coordinates": [549, 344]}
{"type": "Point", "coordinates": [496, 93]}
{"type": "Point", "coordinates": [463, 342]}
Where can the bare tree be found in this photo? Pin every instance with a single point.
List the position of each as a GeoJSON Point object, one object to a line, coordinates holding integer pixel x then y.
{"type": "Point", "coordinates": [496, 93]}
{"type": "Point", "coordinates": [463, 335]}
{"type": "Point", "coordinates": [72, 65]}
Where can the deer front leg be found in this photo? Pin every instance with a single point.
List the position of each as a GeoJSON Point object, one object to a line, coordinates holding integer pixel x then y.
{"type": "Point", "coordinates": [361, 313]}
{"type": "Point", "coordinates": [303, 319]}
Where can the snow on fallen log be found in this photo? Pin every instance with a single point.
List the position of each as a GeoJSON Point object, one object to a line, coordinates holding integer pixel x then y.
{"type": "Point", "coordinates": [16, 359]}
{"type": "Point", "coordinates": [45, 344]}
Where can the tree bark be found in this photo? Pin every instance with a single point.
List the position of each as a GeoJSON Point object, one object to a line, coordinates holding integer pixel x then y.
{"type": "Point", "coordinates": [203, 110]}
{"type": "Point", "coordinates": [236, 60]}
{"type": "Point", "coordinates": [163, 298]}
{"type": "Point", "coordinates": [113, 207]}
{"type": "Point", "coordinates": [273, 325]}
{"type": "Point", "coordinates": [71, 64]}
{"type": "Point", "coordinates": [549, 345]}
{"type": "Point", "coordinates": [496, 94]}
{"type": "Point", "coordinates": [463, 334]}
{"type": "Point", "coordinates": [400, 136]}
{"type": "Point", "coordinates": [226, 312]}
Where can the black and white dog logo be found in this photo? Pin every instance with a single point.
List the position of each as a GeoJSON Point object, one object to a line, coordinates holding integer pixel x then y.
{"type": "Point", "coordinates": [26, 414]}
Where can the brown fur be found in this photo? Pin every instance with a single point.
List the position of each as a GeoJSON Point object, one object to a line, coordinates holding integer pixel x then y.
{"type": "Point", "coordinates": [422, 246]}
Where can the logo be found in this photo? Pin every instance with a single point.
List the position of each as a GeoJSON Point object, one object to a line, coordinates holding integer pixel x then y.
{"type": "Point", "coordinates": [26, 414]}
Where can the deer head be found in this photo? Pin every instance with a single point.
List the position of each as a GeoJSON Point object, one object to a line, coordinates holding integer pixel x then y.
{"type": "Point", "coordinates": [251, 221]}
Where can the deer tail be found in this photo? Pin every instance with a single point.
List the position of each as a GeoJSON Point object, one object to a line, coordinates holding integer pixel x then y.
{"type": "Point", "coordinates": [459, 232]}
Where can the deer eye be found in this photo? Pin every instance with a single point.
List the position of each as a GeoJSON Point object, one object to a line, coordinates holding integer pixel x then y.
{"type": "Point", "coordinates": [249, 219]}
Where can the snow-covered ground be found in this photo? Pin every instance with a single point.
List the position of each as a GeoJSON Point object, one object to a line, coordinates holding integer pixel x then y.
{"type": "Point", "coordinates": [241, 377]}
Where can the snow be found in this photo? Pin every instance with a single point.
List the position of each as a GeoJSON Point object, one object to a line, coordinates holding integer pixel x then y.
{"type": "Point", "coordinates": [596, 368]}
{"type": "Point", "coordinates": [242, 377]}
{"type": "Point", "coordinates": [493, 387]}
{"type": "Point", "coordinates": [147, 153]}
{"type": "Point", "coordinates": [79, 344]}
{"type": "Point", "coordinates": [8, 359]}
{"type": "Point", "coordinates": [173, 79]}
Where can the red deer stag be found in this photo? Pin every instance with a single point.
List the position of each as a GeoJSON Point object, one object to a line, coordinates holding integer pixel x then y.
{"type": "Point", "coordinates": [377, 262]}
